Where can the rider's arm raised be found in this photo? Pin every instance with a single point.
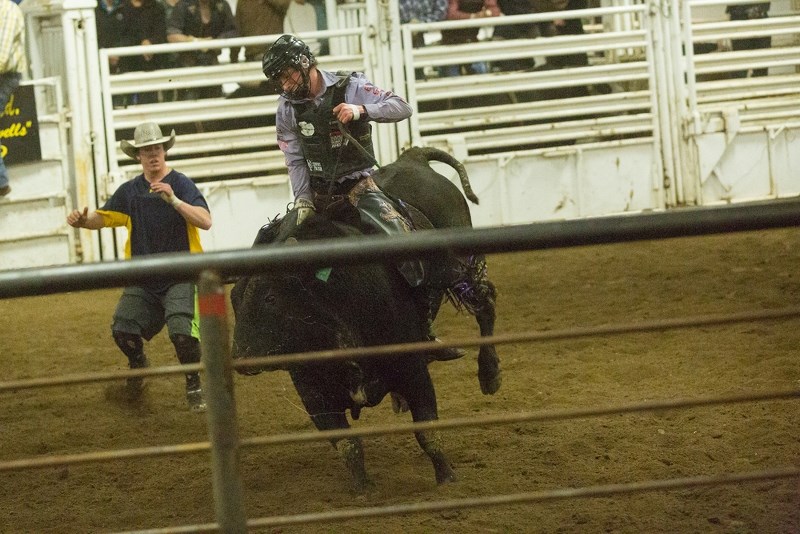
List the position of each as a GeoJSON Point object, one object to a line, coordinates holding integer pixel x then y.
{"type": "Point", "coordinates": [379, 105]}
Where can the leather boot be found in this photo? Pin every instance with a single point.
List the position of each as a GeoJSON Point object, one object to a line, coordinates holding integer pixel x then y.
{"type": "Point", "coordinates": [194, 393]}
{"type": "Point", "coordinates": [135, 384]}
{"type": "Point", "coordinates": [187, 349]}
{"type": "Point", "coordinates": [378, 212]}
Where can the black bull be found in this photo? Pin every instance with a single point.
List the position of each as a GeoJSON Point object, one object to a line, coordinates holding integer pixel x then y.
{"type": "Point", "coordinates": [364, 305]}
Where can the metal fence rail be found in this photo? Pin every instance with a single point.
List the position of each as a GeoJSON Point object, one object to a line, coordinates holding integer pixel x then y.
{"type": "Point", "coordinates": [590, 231]}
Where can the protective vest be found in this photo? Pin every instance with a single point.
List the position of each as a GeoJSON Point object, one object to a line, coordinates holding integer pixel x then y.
{"type": "Point", "coordinates": [328, 153]}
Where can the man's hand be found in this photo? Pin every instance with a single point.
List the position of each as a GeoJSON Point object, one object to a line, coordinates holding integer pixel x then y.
{"type": "Point", "coordinates": [146, 42]}
{"type": "Point", "coordinates": [164, 190]}
{"type": "Point", "coordinates": [77, 219]}
{"type": "Point", "coordinates": [304, 208]}
{"type": "Point", "coordinates": [345, 113]}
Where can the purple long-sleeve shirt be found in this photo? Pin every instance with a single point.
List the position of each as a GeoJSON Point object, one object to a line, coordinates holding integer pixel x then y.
{"type": "Point", "coordinates": [381, 106]}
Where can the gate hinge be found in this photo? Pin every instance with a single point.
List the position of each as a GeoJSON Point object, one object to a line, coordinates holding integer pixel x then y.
{"type": "Point", "coordinates": [732, 122]}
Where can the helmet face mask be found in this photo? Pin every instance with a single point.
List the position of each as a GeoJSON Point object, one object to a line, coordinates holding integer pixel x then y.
{"type": "Point", "coordinates": [289, 53]}
{"type": "Point", "coordinates": [294, 84]}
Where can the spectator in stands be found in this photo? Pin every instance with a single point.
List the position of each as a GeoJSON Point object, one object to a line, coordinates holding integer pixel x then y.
{"type": "Point", "coordinates": [302, 18]}
{"type": "Point", "coordinates": [168, 61]}
{"type": "Point", "coordinates": [421, 11]}
{"type": "Point", "coordinates": [516, 31]}
{"type": "Point", "coordinates": [13, 64]}
{"type": "Point", "coordinates": [749, 12]}
{"type": "Point", "coordinates": [144, 24]}
{"type": "Point", "coordinates": [168, 6]}
{"type": "Point", "coordinates": [200, 20]}
{"type": "Point", "coordinates": [162, 210]}
{"type": "Point", "coordinates": [322, 23]}
{"type": "Point", "coordinates": [572, 26]}
{"type": "Point", "coordinates": [569, 26]}
{"type": "Point", "coordinates": [109, 23]}
{"type": "Point", "coordinates": [461, 10]}
{"type": "Point", "coordinates": [258, 17]}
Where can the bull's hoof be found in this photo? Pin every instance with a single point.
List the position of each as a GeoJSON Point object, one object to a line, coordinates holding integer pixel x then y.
{"type": "Point", "coordinates": [134, 388]}
{"type": "Point", "coordinates": [362, 486]}
{"type": "Point", "coordinates": [446, 478]}
{"type": "Point", "coordinates": [489, 374]}
{"type": "Point", "coordinates": [441, 465]}
{"type": "Point", "coordinates": [489, 386]}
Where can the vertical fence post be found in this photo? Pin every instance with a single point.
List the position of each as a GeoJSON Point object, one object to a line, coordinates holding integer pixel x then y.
{"type": "Point", "coordinates": [222, 422]}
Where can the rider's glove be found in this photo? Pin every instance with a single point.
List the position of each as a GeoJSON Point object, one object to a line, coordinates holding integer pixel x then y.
{"type": "Point", "coordinates": [304, 208]}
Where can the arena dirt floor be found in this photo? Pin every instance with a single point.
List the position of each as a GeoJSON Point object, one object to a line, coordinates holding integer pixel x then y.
{"type": "Point", "coordinates": [543, 290]}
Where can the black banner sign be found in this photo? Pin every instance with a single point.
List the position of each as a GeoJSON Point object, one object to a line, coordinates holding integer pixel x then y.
{"type": "Point", "coordinates": [19, 128]}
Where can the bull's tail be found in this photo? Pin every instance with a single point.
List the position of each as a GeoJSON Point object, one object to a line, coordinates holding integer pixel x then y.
{"type": "Point", "coordinates": [434, 154]}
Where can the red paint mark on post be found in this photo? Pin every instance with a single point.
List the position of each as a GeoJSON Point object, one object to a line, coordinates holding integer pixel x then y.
{"type": "Point", "coordinates": [212, 304]}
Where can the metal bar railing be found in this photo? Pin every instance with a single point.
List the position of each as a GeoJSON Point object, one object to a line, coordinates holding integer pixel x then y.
{"type": "Point", "coordinates": [404, 428]}
{"type": "Point", "coordinates": [592, 231]}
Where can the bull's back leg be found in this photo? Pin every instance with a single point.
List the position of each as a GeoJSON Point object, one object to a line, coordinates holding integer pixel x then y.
{"type": "Point", "coordinates": [489, 374]}
{"type": "Point", "coordinates": [417, 389]}
{"type": "Point", "coordinates": [475, 292]}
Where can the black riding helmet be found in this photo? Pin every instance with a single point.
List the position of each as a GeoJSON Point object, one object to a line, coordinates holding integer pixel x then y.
{"type": "Point", "coordinates": [288, 52]}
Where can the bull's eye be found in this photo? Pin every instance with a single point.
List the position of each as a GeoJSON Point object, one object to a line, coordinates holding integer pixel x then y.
{"type": "Point", "coordinates": [269, 299]}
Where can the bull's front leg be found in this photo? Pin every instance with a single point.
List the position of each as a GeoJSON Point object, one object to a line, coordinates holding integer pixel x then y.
{"type": "Point", "coordinates": [431, 442]}
{"type": "Point", "coordinates": [325, 406]}
{"type": "Point", "coordinates": [350, 450]}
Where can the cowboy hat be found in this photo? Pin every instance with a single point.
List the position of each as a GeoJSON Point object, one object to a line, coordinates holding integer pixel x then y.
{"type": "Point", "coordinates": [146, 134]}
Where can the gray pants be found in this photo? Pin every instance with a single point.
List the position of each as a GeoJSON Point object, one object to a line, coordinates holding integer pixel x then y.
{"type": "Point", "coordinates": [145, 313]}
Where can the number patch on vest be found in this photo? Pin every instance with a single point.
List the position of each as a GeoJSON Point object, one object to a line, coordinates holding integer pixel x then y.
{"type": "Point", "coordinates": [306, 128]}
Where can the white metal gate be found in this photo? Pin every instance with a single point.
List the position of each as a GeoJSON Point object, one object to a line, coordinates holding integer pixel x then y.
{"type": "Point", "coordinates": [547, 144]}
{"type": "Point", "coordinates": [33, 228]}
{"type": "Point", "coordinates": [744, 134]}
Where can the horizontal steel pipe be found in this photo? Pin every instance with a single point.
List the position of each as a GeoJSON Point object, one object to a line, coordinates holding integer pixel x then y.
{"type": "Point", "coordinates": [590, 231]}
